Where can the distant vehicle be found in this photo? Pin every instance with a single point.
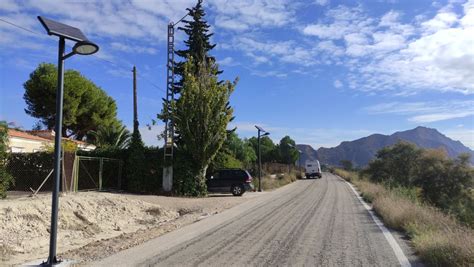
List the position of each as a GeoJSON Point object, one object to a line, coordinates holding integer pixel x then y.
{"type": "Point", "coordinates": [235, 181]}
{"type": "Point", "coordinates": [312, 169]}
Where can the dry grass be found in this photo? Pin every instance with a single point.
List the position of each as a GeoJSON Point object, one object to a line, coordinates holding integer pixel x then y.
{"type": "Point", "coordinates": [270, 183]}
{"type": "Point", "coordinates": [438, 238]}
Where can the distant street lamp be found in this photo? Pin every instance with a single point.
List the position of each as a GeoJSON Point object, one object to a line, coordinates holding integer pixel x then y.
{"type": "Point", "coordinates": [82, 47]}
{"type": "Point", "coordinates": [260, 129]}
{"type": "Point", "coordinates": [299, 158]}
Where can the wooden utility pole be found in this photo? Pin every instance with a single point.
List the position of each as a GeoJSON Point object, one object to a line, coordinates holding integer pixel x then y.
{"type": "Point", "coordinates": [135, 113]}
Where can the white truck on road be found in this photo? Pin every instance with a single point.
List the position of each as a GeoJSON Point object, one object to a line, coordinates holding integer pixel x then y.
{"type": "Point", "coordinates": [312, 169]}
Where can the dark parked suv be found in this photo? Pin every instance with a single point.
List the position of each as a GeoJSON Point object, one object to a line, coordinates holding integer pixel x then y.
{"type": "Point", "coordinates": [235, 181]}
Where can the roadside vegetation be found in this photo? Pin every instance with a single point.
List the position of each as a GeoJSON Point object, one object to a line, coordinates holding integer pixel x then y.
{"type": "Point", "coordinates": [5, 178]}
{"type": "Point", "coordinates": [426, 195]}
{"type": "Point", "coordinates": [270, 182]}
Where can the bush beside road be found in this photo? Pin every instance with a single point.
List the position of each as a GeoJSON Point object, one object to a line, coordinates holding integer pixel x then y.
{"type": "Point", "coordinates": [274, 181]}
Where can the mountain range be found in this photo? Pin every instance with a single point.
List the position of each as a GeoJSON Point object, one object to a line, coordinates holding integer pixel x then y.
{"type": "Point", "coordinates": [363, 150]}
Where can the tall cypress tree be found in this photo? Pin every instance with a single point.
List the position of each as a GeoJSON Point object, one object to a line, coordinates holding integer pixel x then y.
{"type": "Point", "coordinates": [198, 44]}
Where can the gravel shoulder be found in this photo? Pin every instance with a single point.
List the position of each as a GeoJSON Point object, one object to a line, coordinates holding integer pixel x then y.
{"type": "Point", "coordinates": [94, 225]}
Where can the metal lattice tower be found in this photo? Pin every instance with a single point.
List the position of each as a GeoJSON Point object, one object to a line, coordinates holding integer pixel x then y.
{"type": "Point", "coordinates": [169, 124]}
{"type": "Point", "coordinates": [169, 127]}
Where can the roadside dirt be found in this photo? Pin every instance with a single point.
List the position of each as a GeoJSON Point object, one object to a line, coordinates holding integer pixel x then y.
{"type": "Point", "coordinates": [93, 225]}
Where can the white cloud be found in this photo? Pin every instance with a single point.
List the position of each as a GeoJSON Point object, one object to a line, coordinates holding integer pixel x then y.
{"type": "Point", "coordinates": [241, 15]}
{"type": "Point", "coordinates": [284, 51]}
{"type": "Point", "coordinates": [9, 5]}
{"type": "Point", "coordinates": [321, 2]}
{"type": "Point", "coordinates": [426, 112]}
{"type": "Point", "coordinates": [384, 54]}
{"type": "Point", "coordinates": [231, 24]}
{"type": "Point", "coordinates": [227, 61]}
{"type": "Point", "coordinates": [442, 20]}
{"type": "Point", "coordinates": [270, 73]}
{"type": "Point", "coordinates": [338, 84]}
{"type": "Point", "coordinates": [133, 48]}
{"type": "Point", "coordinates": [440, 116]}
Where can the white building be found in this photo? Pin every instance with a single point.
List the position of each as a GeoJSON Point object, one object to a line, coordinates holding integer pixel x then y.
{"type": "Point", "coordinates": [35, 141]}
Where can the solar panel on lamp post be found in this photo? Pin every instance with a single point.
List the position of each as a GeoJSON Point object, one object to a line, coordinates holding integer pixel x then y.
{"type": "Point", "coordinates": [82, 47]}
{"type": "Point", "coordinates": [260, 129]}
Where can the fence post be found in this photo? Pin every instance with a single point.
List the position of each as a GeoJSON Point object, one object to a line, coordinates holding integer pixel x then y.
{"type": "Point", "coordinates": [101, 166]}
{"type": "Point", "coordinates": [76, 178]}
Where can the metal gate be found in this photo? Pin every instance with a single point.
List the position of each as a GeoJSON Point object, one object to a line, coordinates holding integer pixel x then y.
{"type": "Point", "coordinates": [96, 173]}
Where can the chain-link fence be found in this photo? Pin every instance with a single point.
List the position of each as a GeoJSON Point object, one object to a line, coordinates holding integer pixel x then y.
{"type": "Point", "coordinates": [33, 173]}
{"type": "Point", "coordinates": [97, 173]}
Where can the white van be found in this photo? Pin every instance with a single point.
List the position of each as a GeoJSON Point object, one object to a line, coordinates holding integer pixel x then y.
{"type": "Point", "coordinates": [312, 169]}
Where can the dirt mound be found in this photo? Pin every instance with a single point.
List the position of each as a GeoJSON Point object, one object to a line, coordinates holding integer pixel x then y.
{"type": "Point", "coordinates": [83, 218]}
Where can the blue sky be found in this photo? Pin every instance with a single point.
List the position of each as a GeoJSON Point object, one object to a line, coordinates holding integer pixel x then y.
{"type": "Point", "coordinates": [321, 71]}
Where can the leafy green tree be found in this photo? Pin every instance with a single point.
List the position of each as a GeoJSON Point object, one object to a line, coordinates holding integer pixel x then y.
{"type": "Point", "coordinates": [86, 106]}
{"type": "Point", "coordinates": [395, 165]}
{"type": "Point", "coordinates": [346, 164]}
{"type": "Point", "coordinates": [201, 116]}
{"type": "Point", "coordinates": [247, 154]}
{"type": "Point", "coordinates": [447, 183]}
{"type": "Point", "coordinates": [234, 153]}
{"type": "Point", "coordinates": [288, 152]}
{"type": "Point", "coordinates": [5, 178]}
{"type": "Point", "coordinates": [110, 137]}
{"type": "Point", "coordinates": [269, 150]}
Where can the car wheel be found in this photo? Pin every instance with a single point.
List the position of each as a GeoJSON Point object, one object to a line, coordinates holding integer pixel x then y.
{"type": "Point", "coordinates": [237, 190]}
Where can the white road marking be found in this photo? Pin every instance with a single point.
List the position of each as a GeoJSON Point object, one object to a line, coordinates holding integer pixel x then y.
{"type": "Point", "coordinates": [402, 259]}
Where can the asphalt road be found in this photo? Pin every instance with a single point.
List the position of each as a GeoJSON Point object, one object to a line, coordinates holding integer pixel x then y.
{"type": "Point", "coordinates": [309, 223]}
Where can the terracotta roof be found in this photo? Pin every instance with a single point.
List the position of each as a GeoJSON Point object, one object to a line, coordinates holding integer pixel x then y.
{"type": "Point", "coordinates": [20, 134]}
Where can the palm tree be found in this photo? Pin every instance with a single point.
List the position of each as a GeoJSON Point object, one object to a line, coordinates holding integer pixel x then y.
{"type": "Point", "coordinates": [111, 137]}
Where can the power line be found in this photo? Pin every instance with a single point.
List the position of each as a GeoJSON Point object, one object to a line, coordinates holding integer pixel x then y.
{"type": "Point", "coordinates": [18, 26]}
{"type": "Point", "coordinates": [103, 59]}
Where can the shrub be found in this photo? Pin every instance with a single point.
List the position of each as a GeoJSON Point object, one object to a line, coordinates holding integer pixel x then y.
{"type": "Point", "coordinates": [136, 165]}
{"type": "Point", "coordinates": [184, 179]}
{"type": "Point", "coordinates": [5, 178]}
{"type": "Point", "coordinates": [427, 175]}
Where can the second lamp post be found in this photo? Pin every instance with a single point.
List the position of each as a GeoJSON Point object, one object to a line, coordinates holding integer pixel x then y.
{"type": "Point", "coordinates": [265, 133]}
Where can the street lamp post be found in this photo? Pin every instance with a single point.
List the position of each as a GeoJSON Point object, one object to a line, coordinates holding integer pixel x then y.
{"type": "Point", "coordinates": [260, 130]}
{"type": "Point", "coordinates": [299, 158]}
{"type": "Point", "coordinates": [82, 47]}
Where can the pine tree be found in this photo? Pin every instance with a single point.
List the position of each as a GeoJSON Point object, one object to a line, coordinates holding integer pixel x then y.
{"type": "Point", "coordinates": [198, 44]}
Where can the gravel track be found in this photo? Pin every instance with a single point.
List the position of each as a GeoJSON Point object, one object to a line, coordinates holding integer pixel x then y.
{"type": "Point", "coordinates": [316, 223]}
